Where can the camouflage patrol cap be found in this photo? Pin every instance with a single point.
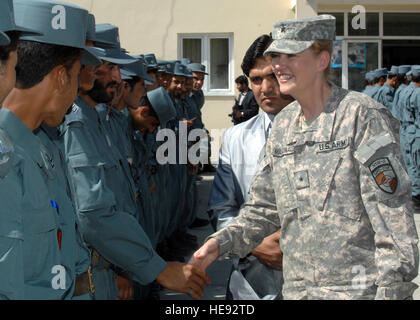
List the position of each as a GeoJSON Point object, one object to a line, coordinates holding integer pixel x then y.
{"type": "Point", "coordinates": [295, 36]}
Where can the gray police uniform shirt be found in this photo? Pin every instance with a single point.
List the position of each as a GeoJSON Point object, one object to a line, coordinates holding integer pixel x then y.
{"type": "Point", "coordinates": [29, 221]}
{"type": "Point", "coordinates": [386, 96]}
{"type": "Point", "coordinates": [98, 182]}
{"type": "Point", "coordinates": [395, 107]}
{"type": "Point", "coordinates": [374, 91]}
{"type": "Point", "coordinates": [414, 102]}
{"type": "Point", "coordinates": [143, 180]}
{"type": "Point", "coordinates": [341, 195]}
{"type": "Point", "coordinates": [367, 90]}
{"type": "Point", "coordinates": [74, 252]}
{"type": "Point", "coordinates": [237, 166]}
{"type": "Point", "coordinates": [199, 98]}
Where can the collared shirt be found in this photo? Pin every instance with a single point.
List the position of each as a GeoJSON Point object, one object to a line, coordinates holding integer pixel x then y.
{"type": "Point", "coordinates": [74, 253]}
{"type": "Point", "coordinates": [268, 123]}
{"type": "Point", "coordinates": [386, 95]}
{"type": "Point", "coordinates": [97, 179]}
{"type": "Point", "coordinates": [406, 110]}
{"type": "Point", "coordinates": [395, 106]}
{"type": "Point", "coordinates": [28, 214]}
{"type": "Point", "coordinates": [242, 96]}
{"type": "Point", "coordinates": [237, 166]}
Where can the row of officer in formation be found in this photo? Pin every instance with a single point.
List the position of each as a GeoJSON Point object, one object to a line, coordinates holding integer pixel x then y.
{"type": "Point", "coordinates": [87, 212]}
{"type": "Point", "coordinates": [399, 90]}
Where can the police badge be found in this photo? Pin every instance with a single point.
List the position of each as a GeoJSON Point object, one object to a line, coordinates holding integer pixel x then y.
{"type": "Point", "coordinates": [384, 175]}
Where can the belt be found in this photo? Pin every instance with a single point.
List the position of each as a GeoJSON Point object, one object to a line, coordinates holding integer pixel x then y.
{"type": "Point", "coordinates": [98, 261]}
{"type": "Point", "coordinates": [84, 284]}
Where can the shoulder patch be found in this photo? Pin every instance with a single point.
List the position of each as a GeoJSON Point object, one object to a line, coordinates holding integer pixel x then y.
{"type": "Point", "coordinates": [75, 115]}
{"type": "Point", "coordinates": [384, 175]}
{"type": "Point", "coordinates": [6, 153]}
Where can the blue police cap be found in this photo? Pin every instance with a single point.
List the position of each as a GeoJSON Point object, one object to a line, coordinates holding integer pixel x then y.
{"type": "Point", "coordinates": [382, 72]}
{"type": "Point", "coordinates": [188, 73]}
{"type": "Point", "coordinates": [151, 61]}
{"type": "Point", "coordinates": [139, 69]}
{"type": "Point", "coordinates": [394, 70]}
{"type": "Point", "coordinates": [180, 70]}
{"type": "Point", "coordinates": [126, 75]}
{"type": "Point", "coordinates": [168, 67]}
{"type": "Point", "coordinates": [7, 23]}
{"type": "Point", "coordinates": [404, 69]}
{"type": "Point", "coordinates": [415, 70]}
{"type": "Point", "coordinates": [162, 104]}
{"type": "Point", "coordinates": [61, 24]}
{"type": "Point", "coordinates": [107, 35]}
{"type": "Point", "coordinates": [116, 56]}
{"type": "Point", "coordinates": [186, 61]}
{"type": "Point", "coordinates": [197, 67]}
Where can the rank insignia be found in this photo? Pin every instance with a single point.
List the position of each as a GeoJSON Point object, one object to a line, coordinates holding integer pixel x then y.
{"type": "Point", "coordinates": [384, 175]}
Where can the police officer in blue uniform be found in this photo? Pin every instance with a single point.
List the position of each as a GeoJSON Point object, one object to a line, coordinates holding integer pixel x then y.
{"type": "Point", "coordinates": [414, 102]}
{"type": "Point", "coordinates": [55, 259]}
{"type": "Point", "coordinates": [380, 78]}
{"type": "Point", "coordinates": [408, 129]}
{"type": "Point", "coordinates": [403, 82]}
{"type": "Point", "coordinates": [11, 227]}
{"type": "Point", "coordinates": [386, 92]}
{"type": "Point", "coordinates": [108, 219]}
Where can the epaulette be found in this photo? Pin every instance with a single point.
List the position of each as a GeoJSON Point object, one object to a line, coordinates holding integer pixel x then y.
{"type": "Point", "coordinates": [7, 150]}
{"type": "Point", "coordinates": [75, 115]}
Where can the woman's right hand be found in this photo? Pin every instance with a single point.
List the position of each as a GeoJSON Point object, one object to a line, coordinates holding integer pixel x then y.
{"type": "Point", "coordinates": [206, 255]}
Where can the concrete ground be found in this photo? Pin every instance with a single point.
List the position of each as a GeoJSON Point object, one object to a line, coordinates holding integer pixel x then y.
{"type": "Point", "coordinates": [219, 271]}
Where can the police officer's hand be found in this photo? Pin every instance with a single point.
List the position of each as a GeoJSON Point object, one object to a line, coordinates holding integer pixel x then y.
{"type": "Point", "coordinates": [125, 287]}
{"type": "Point", "coordinates": [269, 252]}
{"type": "Point", "coordinates": [205, 256]}
{"type": "Point", "coordinates": [192, 169]}
{"type": "Point", "coordinates": [184, 278]}
{"type": "Point", "coordinates": [187, 122]}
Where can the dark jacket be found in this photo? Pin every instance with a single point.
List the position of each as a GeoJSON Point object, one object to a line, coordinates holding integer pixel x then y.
{"type": "Point", "coordinates": [249, 108]}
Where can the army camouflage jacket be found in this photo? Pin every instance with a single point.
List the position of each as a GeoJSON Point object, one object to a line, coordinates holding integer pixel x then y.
{"type": "Point", "coordinates": [342, 197]}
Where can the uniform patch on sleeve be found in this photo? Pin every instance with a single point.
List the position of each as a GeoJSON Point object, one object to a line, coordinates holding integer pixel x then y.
{"type": "Point", "coordinates": [384, 175]}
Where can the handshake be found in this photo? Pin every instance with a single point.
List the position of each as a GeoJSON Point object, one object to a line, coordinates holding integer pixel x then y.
{"type": "Point", "coordinates": [190, 278]}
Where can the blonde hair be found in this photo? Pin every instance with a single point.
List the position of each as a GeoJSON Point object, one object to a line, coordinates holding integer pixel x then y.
{"type": "Point", "coordinates": [323, 45]}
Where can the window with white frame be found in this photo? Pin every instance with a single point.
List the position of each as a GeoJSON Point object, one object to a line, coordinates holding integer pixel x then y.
{"type": "Point", "coordinates": [215, 51]}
